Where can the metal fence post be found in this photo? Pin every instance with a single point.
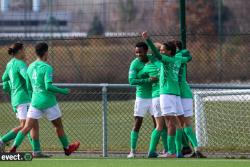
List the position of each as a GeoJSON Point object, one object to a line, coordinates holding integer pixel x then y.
{"type": "Point", "coordinates": [104, 121]}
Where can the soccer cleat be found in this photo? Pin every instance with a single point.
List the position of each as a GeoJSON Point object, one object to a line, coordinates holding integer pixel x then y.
{"type": "Point", "coordinates": [171, 155]}
{"type": "Point", "coordinates": [164, 151]}
{"type": "Point", "coordinates": [72, 148]}
{"type": "Point", "coordinates": [167, 155]}
{"type": "Point", "coordinates": [131, 155]}
{"type": "Point", "coordinates": [40, 155]}
{"type": "Point", "coordinates": [152, 155]}
{"type": "Point", "coordinates": [186, 150]}
{"type": "Point", "coordinates": [179, 155]}
{"type": "Point", "coordinates": [199, 155]}
{"type": "Point", "coordinates": [13, 149]}
{"type": "Point", "coordinates": [2, 147]}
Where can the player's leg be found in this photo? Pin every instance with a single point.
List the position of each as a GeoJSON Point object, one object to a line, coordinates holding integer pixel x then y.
{"type": "Point", "coordinates": [36, 147]}
{"type": "Point", "coordinates": [168, 109]}
{"type": "Point", "coordinates": [21, 114]}
{"type": "Point", "coordinates": [140, 109]}
{"type": "Point", "coordinates": [187, 104]}
{"type": "Point", "coordinates": [31, 119]}
{"type": "Point", "coordinates": [53, 114]}
{"type": "Point", "coordinates": [10, 136]}
{"type": "Point", "coordinates": [155, 135]}
{"type": "Point", "coordinates": [134, 136]}
{"type": "Point", "coordinates": [179, 127]}
{"type": "Point", "coordinates": [22, 133]}
{"type": "Point", "coordinates": [164, 137]}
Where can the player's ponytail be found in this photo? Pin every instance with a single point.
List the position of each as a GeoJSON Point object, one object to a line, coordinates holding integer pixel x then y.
{"type": "Point", "coordinates": [10, 51]}
{"type": "Point", "coordinates": [15, 48]}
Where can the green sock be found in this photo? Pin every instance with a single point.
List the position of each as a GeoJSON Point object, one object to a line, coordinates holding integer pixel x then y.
{"type": "Point", "coordinates": [164, 138]}
{"type": "Point", "coordinates": [30, 138]}
{"type": "Point", "coordinates": [9, 136]}
{"type": "Point", "coordinates": [171, 144]}
{"type": "Point", "coordinates": [64, 141]}
{"type": "Point", "coordinates": [191, 136]}
{"type": "Point", "coordinates": [36, 145]}
{"type": "Point", "coordinates": [19, 139]}
{"type": "Point", "coordinates": [133, 139]}
{"type": "Point", "coordinates": [155, 136]}
{"type": "Point", "coordinates": [178, 140]}
{"type": "Point", "coordinates": [185, 141]}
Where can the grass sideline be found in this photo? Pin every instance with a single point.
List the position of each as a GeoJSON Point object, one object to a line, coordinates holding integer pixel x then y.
{"type": "Point", "coordinates": [111, 162]}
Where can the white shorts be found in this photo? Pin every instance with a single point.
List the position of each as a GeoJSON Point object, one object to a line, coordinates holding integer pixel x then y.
{"type": "Point", "coordinates": [171, 105]}
{"type": "Point", "coordinates": [187, 104]}
{"type": "Point", "coordinates": [142, 106]}
{"type": "Point", "coordinates": [156, 107]}
{"type": "Point", "coordinates": [51, 113]}
{"type": "Point", "coordinates": [22, 111]}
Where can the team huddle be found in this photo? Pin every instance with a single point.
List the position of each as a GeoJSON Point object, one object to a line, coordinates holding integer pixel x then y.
{"type": "Point", "coordinates": [163, 91]}
{"type": "Point", "coordinates": [32, 96]}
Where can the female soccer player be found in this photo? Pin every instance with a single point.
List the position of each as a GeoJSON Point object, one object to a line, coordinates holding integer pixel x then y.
{"type": "Point", "coordinates": [14, 79]}
{"type": "Point", "coordinates": [187, 104]}
{"type": "Point", "coordinates": [170, 100]}
{"type": "Point", "coordinates": [43, 102]}
{"type": "Point", "coordinates": [143, 102]}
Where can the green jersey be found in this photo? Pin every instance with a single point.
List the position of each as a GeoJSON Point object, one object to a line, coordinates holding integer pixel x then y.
{"type": "Point", "coordinates": [169, 70]}
{"type": "Point", "coordinates": [152, 69]}
{"type": "Point", "coordinates": [40, 78]}
{"type": "Point", "coordinates": [15, 75]}
{"type": "Point", "coordinates": [143, 85]}
{"type": "Point", "coordinates": [184, 86]}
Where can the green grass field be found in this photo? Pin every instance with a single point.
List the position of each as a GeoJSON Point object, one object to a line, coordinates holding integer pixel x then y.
{"type": "Point", "coordinates": [77, 162]}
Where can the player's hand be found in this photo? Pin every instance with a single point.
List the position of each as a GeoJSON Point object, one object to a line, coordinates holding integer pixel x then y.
{"type": "Point", "coordinates": [145, 35]}
{"type": "Point", "coordinates": [67, 91]}
{"type": "Point", "coordinates": [154, 79]}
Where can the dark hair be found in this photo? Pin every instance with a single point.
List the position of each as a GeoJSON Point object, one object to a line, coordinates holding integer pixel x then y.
{"type": "Point", "coordinates": [41, 49]}
{"type": "Point", "coordinates": [170, 46]}
{"type": "Point", "coordinates": [178, 44]}
{"type": "Point", "coordinates": [142, 45]}
{"type": "Point", "coordinates": [15, 48]}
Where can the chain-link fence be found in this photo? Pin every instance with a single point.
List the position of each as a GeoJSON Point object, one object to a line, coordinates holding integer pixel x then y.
{"type": "Point", "coordinates": [100, 116]}
{"type": "Point", "coordinates": [97, 60]}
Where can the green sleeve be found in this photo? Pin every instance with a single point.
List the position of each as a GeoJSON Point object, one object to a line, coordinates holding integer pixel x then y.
{"type": "Point", "coordinates": [29, 87]}
{"type": "Point", "coordinates": [48, 79]}
{"type": "Point", "coordinates": [54, 89]}
{"type": "Point", "coordinates": [133, 79]}
{"type": "Point", "coordinates": [186, 56]}
{"type": "Point", "coordinates": [5, 76]}
{"type": "Point", "coordinates": [6, 87]}
{"type": "Point", "coordinates": [156, 53]}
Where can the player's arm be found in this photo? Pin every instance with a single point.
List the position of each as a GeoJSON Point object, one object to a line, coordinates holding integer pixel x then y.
{"type": "Point", "coordinates": [48, 79]}
{"type": "Point", "coordinates": [186, 56]}
{"type": "Point", "coordinates": [29, 87]}
{"type": "Point", "coordinates": [5, 77]}
{"type": "Point", "coordinates": [155, 51]}
{"type": "Point", "coordinates": [132, 77]}
{"type": "Point", "coordinates": [6, 87]}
